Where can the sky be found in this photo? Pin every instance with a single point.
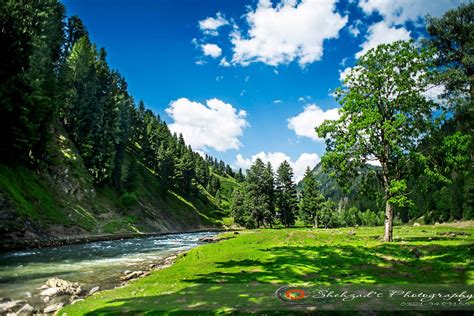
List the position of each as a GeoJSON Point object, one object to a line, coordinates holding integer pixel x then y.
{"type": "Point", "coordinates": [247, 79]}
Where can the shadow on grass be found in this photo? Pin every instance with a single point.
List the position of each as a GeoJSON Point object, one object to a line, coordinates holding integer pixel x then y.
{"type": "Point", "coordinates": [248, 285]}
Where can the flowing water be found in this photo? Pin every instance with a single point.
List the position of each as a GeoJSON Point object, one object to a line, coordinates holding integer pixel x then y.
{"type": "Point", "coordinates": [91, 264]}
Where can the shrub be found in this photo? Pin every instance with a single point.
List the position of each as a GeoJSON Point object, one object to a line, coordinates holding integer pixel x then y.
{"type": "Point", "coordinates": [128, 200]}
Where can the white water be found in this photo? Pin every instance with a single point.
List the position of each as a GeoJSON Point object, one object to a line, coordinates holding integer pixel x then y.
{"type": "Point", "coordinates": [91, 264]}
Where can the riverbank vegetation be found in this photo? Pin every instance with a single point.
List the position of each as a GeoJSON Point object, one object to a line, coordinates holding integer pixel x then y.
{"type": "Point", "coordinates": [241, 272]}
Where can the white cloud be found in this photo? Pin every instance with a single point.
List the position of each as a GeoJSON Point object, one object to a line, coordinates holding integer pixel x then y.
{"type": "Point", "coordinates": [224, 62]}
{"type": "Point", "coordinates": [354, 29]}
{"type": "Point", "coordinates": [397, 12]}
{"type": "Point", "coordinates": [211, 50]}
{"type": "Point", "coordinates": [343, 62]}
{"type": "Point", "coordinates": [381, 33]}
{"type": "Point", "coordinates": [276, 158]}
{"type": "Point", "coordinates": [215, 125]}
{"type": "Point", "coordinates": [304, 123]}
{"type": "Point", "coordinates": [211, 25]}
{"type": "Point", "coordinates": [291, 30]}
{"type": "Point", "coordinates": [343, 74]}
{"type": "Point", "coordinates": [434, 93]}
{"type": "Point", "coordinates": [277, 101]}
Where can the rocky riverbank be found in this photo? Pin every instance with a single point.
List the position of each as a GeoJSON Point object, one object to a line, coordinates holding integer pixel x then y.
{"type": "Point", "coordinates": [56, 293]}
{"type": "Point", "coordinates": [63, 241]}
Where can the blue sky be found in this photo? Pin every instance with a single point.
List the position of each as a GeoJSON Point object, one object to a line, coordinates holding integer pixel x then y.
{"type": "Point", "coordinates": [268, 67]}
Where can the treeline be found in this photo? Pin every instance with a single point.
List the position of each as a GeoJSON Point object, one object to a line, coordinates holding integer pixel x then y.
{"type": "Point", "coordinates": [267, 199]}
{"type": "Point", "coordinates": [53, 77]}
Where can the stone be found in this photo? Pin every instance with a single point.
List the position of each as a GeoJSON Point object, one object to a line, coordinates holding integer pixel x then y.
{"type": "Point", "coordinates": [27, 309]}
{"type": "Point", "coordinates": [208, 239]}
{"type": "Point", "coordinates": [53, 308]}
{"type": "Point", "coordinates": [78, 300]}
{"type": "Point", "coordinates": [52, 291]}
{"type": "Point", "coordinates": [8, 306]}
{"type": "Point", "coordinates": [416, 224]}
{"type": "Point", "coordinates": [46, 299]}
{"type": "Point", "coordinates": [63, 286]}
{"type": "Point", "coordinates": [133, 275]}
{"type": "Point", "coordinates": [93, 290]}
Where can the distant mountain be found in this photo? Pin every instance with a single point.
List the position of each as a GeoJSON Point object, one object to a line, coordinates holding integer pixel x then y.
{"type": "Point", "coordinates": [356, 196]}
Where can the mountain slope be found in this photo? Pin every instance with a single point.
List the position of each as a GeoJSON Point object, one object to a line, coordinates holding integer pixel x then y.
{"type": "Point", "coordinates": [359, 196]}
{"type": "Point", "coordinates": [60, 199]}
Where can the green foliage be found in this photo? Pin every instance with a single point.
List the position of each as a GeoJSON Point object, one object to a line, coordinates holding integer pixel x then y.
{"type": "Point", "coordinates": [285, 193]}
{"type": "Point", "coordinates": [128, 200]}
{"type": "Point", "coordinates": [31, 36]}
{"type": "Point", "coordinates": [311, 199]}
{"type": "Point", "coordinates": [384, 114]}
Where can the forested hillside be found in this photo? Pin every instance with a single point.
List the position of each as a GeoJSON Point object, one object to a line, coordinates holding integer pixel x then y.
{"type": "Point", "coordinates": [78, 154]}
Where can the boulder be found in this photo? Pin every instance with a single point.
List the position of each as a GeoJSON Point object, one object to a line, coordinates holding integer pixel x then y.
{"type": "Point", "coordinates": [93, 290]}
{"type": "Point", "coordinates": [27, 309]}
{"type": "Point", "coordinates": [133, 275]}
{"type": "Point", "coordinates": [52, 291]}
{"type": "Point", "coordinates": [416, 224]}
{"type": "Point", "coordinates": [53, 308]}
{"type": "Point", "coordinates": [8, 306]}
{"type": "Point", "coordinates": [59, 287]}
{"type": "Point", "coordinates": [207, 239]}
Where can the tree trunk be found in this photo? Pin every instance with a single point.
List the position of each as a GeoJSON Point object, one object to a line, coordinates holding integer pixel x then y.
{"type": "Point", "coordinates": [388, 235]}
{"type": "Point", "coordinates": [316, 221]}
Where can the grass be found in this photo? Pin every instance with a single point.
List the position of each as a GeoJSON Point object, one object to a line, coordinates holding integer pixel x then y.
{"type": "Point", "coordinates": [241, 272]}
{"type": "Point", "coordinates": [30, 195]}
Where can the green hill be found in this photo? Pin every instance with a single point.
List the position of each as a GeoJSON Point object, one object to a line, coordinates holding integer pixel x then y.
{"type": "Point", "coordinates": [364, 192]}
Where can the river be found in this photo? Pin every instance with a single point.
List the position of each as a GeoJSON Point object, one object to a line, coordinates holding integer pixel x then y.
{"type": "Point", "coordinates": [91, 264]}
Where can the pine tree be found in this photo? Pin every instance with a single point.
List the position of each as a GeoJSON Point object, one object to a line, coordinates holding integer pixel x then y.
{"type": "Point", "coordinates": [286, 196]}
{"type": "Point", "coordinates": [311, 199]}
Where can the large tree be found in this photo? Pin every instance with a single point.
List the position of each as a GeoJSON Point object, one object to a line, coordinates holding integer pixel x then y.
{"type": "Point", "coordinates": [311, 199]}
{"type": "Point", "coordinates": [385, 113]}
{"type": "Point", "coordinates": [286, 196]}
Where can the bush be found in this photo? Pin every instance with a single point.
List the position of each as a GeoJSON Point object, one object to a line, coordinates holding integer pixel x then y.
{"type": "Point", "coordinates": [128, 200]}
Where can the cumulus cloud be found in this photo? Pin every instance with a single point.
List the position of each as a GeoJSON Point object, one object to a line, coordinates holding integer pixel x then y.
{"type": "Point", "coordinates": [354, 29]}
{"type": "Point", "coordinates": [216, 124]}
{"type": "Point", "coordinates": [343, 73]}
{"type": "Point", "coordinates": [211, 25]}
{"type": "Point", "coordinates": [211, 50]}
{"type": "Point", "coordinates": [290, 30]}
{"type": "Point", "coordinates": [276, 158]}
{"type": "Point", "coordinates": [224, 62]}
{"type": "Point", "coordinates": [402, 11]}
{"type": "Point", "coordinates": [382, 33]}
{"type": "Point", "coordinates": [304, 123]}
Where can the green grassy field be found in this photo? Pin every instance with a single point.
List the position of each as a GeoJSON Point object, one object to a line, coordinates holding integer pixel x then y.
{"type": "Point", "coordinates": [241, 272]}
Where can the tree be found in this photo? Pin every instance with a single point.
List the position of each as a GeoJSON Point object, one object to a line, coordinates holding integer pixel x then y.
{"type": "Point", "coordinates": [259, 188]}
{"type": "Point", "coordinates": [31, 34]}
{"type": "Point", "coordinates": [384, 115]}
{"type": "Point", "coordinates": [240, 209]}
{"type": "Point", "coordinates": [268, 195]}
{"type": "Point", "coordinates": [286, 196]}
{"type": "Point", "coordinates": [311, 199]}
{"type": "Point", "coordinates": [240, 176]}
{"type": "Point", "coordinates": [453, 38]}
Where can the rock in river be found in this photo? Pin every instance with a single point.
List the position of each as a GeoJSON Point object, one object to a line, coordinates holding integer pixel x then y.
{"type": "Point", "coordinates": [53, 308]}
